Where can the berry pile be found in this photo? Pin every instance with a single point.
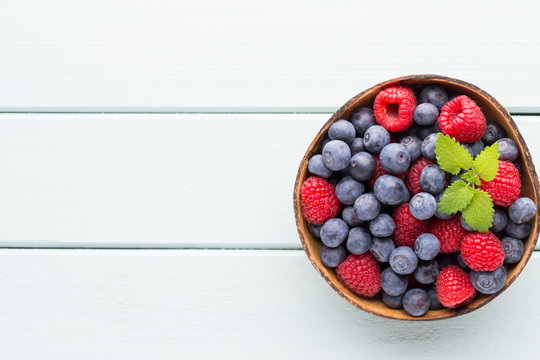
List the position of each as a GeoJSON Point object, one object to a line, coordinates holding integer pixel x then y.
{"type": "Point", "coordinates": [418, 200]}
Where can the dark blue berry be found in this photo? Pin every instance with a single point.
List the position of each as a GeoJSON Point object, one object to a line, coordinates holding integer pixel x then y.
{"type": "Point", "coordinates": [426, 114]}
{"type": "Point", "coordinates": [348, 190]}
{"type": "Point", "coordinates": [522, 210]}
{"type": "Point", "coordinates": [424, 131]}
{"type": "Point", "coordinates": [435, 303]}
{"type": "Point", "coordinates": [367, 207]}
{"type": "Point", "coordinates": [412, 144]}
{"type": "Point", "coordinates": [336, 155]}
{"type": "Point", "coordinates": [382, 226]}
{"type": "Point", "coordinates": [381, 248]}
{"type": "Point", "coordinates": [513, 249]}
{"type": "Point", "coordinates": [316, 167]}
{"type": "Point", "coordinates": [432, 179]}
{"type": "Point", "coordinates": [518, 231]}
{"type": "Point", "coordinates": [357, 145]}
{"type": "Point", "coordinates": [476, 148]}
{"type": "Point", "coordinates": [428, 146]}
{"type": "Point", "coordinates": [416, 302]}
{"type": "Point", "coordinates": [376, 138]}
{"type": "Point", "coordinates": [423, 206]}
{"type": "Point", "coordinates": [359, 241]}
{"type": "Point", "coordinates": [403, 260]}
{"type": "Point", "coordinates": [395, 158]}
{"type": "Point", "coordinates": [435, 95]}
{"type": "Point", "coordinates": [315, 230]}
{"type": "Point", "coordinates": [391, 190]}
{"type": "Point", "coordinates": [439, 214]}
{"type": "Point", "coordinates": [362, 119]}
{"type": "Point", "coordinates": [493, 132]}
{"type": "Point", "coordinates": [460, 262]}
{"type": "Point", "coordinates": [488, 282]}
{"type": "Point", "coordinates": [349, 216]}
{"type": "Point", "coordinates": [499, 220]}
{"type": "Point", "coordinates": [332, 257]}
{"type": "Point", "coordinates": [393, 302]}
{"type": "Point", "coordinates": [464, 224]}
{"type": "Point", "coordinates": [362, 166]}
{"type": "Point", "coordinates": [517, 164]}
{"type": "Point", "coordinates": [426, 272]}
{"type": "Point", "coordinates": [427, 246]}
{"type": "Point", "coordinates": [508, 150]}
{"type": "Point", "coordinates": [392, 283]}
{"type": "Point", "coordinates": [333, 232]}
{"type": "Point", "coordinates": [342, 130]}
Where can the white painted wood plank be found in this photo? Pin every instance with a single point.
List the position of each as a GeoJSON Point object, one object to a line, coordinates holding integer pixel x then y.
{"type": "Point", "coordinates": [124, 54]}
{"type": "Point", "coordinates": [138, 180]}
{"type": "Point", "coordinates": [84, 304]}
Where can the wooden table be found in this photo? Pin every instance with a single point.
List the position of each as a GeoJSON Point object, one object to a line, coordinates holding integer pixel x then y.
{"type": "Point", "coordinates": [148, 155]}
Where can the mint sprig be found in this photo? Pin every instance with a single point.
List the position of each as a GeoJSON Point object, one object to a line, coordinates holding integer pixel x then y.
{"type": "Point", "coordinates": [476, 205]}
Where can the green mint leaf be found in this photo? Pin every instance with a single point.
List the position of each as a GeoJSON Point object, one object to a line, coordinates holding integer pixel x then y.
{"type": "Point", "coordinates": [487, 162]}
{"type": "Point", "coordinates": [479, 213]}
{"type": "Point", "coordinates": [456, 197]}
{"type": "Point", "coordinates": [451, 155]}
{"type": "Point", "coordinates": [471, 177]}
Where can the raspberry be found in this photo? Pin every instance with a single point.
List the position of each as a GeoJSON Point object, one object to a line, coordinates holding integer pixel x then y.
{"type": "Point", "coordinates": [394, 108]}
{"type": "Point", "coordinates": [413, 179]}
{"type": "Point", "coordinates": [506, 186]}
{"type": "Point", "coordinates": [361, 274]}
{"type": "Point", "coordinates": [454, 288]}
{"type": "Point", "coordinates": [449, 232]}
{"type": "Point", "coordinates": [462, 119]}
{"type": "Point", "coordinates": [318, 200]}
{"type": "Point", "coordinates": [407, 228]}
{"type": "Point", "coordinates": [482, 252]}
{"type": "Point", "coordinates": [379, 171]}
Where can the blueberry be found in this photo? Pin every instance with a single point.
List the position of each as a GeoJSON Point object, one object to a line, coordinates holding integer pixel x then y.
{"type": "Point", "coordinates": [367, 207]}
{"type": "Point", "coordinates": [390, 190]}
{"type": "Point", "coordinates": [435, 95]}
{"type": "Point", "coordinates": [435, 303]}
{"type": "Point", "coordinates": [403, 260]}
{"type": "Point", "coordinates": [395, 158]}
{"type": "Point", "coordinates": [412, 144]}
{"type": "Point", "coordinates": [427, 246]}
{"type": "Point", "coordinates": [381, 248]}
{"type": "Point", "coordinates": [392, 283]}
{"type": "Point", "coordinates": [376, 138]}
{"type": "Point", "coordinates": [393, 302]}
{"type": "Point", "coordinates": [460, 262]}
{"type": "Point", "coordinates": [426, 114]}
{"type": "Point", "coordinates": [362, 166]}
{"type": "Point", "coordinates": [332, 257]}
{"type": "Point", "coordinates": [432, 179]}
{"type": "Point", "coordinates": [488, 282]}
{"type": "Point", "coordinates": [518, 231]}
{"type": "Point", "coordinates": [522, 210]}
{"type": "Point", "coordinates": [467, 147]}
{"type": "Point", "coordinates": [465, 225]}
{"type": "Point", "coordinates": [315, 230]}
{"type": "Point", "coordinates": [349, 216]}
{"type": "Point", "coordinates": [333, 232]}
{"type": "Point", "coordinates": [342, 130]}
{"type": "Point", "coordinates": [416, 302]}
{"type": "Point", "coordinates": [357, 145]}
{"type": "Point", "coordinates": [316, 167]}
{"type": "Point", "coordinates": [439, 214]}
{"type": "Point", "coordinates": [455, 178]}
{"type": "Point", "coordinates": [517, 164]}
{"type": "Point", "coordinates": [348, 190]}
{"type": "Point", "coordinates": [336, 155]}
{"type": "Point", "coordinates": [426, 272]}
{"type": "Point", "coordinates": [359, 240]}
{"type": "Point", "coordinates": [508, 150]}
{"type": "Point", "coordinates": [476, 148]}
{"type": "Point", "coordinates": [499, 220]}
{"type": "Point", "coordinates": [382, 226]}
{"type": "Point", "coordinates": [423, 206]}
{"type": "Point", "coordinates": [424, 131]}
{"type": "Point", "coordinates": [324, 142]}
{"type": "Point", "coordinates": [493, 132]}
{"type": "Point", "coordinates": [362, 119]}
{"type": "Point", "coordinates": [428, 146]}
{"type": "Point", "coordinates": [513, 249]}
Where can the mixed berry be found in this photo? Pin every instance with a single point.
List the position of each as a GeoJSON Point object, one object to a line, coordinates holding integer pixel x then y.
{"type": "Point", "coordinates": [418, 200]}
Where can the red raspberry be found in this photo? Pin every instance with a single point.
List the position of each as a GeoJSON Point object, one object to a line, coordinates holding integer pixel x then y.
{"type": "Point", "coordinates": [413, 179]}
{"type": "Point", "coordinates": [361, 274]}
{"type": "Point", "coordinates": [379, 171]}
{"type": "Point", "coordinates": [482, 252]}
{"type": "Point", "coordinates": [462, 119]}
{"type": "Point", "coordinates": [506, 186]}
{"type": "Point", "coordinates": [454, 288]}
{"type": "Point", "coordinates": [408, 228]}
{"type": "Point", "coordinates": [449, 232]}
{"type": "Point", "coordinates": [318, 200]}
{"type": "Point", "coordinates": [394, 108]}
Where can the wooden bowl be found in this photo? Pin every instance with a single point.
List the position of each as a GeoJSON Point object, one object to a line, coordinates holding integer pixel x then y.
{"type": "Point", "coordinates": [493, 111]}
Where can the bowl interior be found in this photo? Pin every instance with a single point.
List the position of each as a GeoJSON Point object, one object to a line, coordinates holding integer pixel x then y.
{"type": "Point", "coordinates": [493, 111]}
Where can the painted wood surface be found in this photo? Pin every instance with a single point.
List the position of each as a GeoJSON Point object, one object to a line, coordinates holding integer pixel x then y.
{"type": "Point", "coordinates": [141, 180]}
{"type": "Point", "coordinates": [251, 55]}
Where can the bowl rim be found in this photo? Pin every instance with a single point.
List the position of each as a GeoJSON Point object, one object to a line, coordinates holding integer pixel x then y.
{"type": "Point", "coordinates": [338, 114]}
